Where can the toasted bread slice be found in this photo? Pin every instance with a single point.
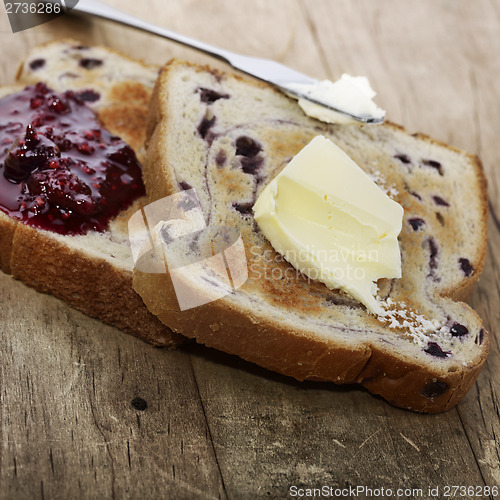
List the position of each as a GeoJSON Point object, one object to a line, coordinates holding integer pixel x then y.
{"type": "Point", "coordinates": [91, 272]}
{"type": "Point", "coordinates": [227, 137]}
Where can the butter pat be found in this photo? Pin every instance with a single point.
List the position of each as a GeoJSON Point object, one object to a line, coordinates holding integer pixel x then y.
{"type": "Point", "coordinates": [326, 216]}
{"type": "Point", "coordinates": [352, 94]}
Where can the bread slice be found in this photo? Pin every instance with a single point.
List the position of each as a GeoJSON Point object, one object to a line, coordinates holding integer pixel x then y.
{"type": "Point", "coordinates": [91, 272]}
{"type": "Point", "coordinates": [227, 136]}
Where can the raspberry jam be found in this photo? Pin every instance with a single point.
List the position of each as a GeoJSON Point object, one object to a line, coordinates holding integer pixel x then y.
{"type": "Point", "coordinates": [59, 168]}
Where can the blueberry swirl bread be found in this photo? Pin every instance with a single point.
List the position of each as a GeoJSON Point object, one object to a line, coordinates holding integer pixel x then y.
{"type": "Point", "coordinates": [90, 271]}
{"type": "Point", "coordinates": [227, 136]}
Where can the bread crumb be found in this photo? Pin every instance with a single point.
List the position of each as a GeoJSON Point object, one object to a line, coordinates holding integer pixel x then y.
{"type": "Point", "coordinates": [381, 182]}
{"type": "Point", "coordinates": [417, 326]}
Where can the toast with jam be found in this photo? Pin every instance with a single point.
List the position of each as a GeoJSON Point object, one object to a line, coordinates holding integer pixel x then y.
{"type": "Point", "coordinates": [227, 137]}
{"type": "Point", "coordinates": [72, 135]}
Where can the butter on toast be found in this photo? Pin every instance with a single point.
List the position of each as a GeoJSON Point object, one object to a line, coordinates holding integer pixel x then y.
{"type": "Point", "coordinates": [227, 136]}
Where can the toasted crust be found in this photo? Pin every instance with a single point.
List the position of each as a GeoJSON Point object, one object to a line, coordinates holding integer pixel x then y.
{"type": "Point", "coordinates": [298, 354]}
{"type": "Point", "coordinates": [294, 349]}
{"type": "Point", "coordinates": [93, 286]}
{"type": "Point", "coordinates": [7, 230]}
{"type": "Point", "coordinates": [82, 274]}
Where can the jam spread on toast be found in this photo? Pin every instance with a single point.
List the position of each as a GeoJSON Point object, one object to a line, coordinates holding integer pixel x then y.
{"type": "Point", "coordinates": [60, 169]}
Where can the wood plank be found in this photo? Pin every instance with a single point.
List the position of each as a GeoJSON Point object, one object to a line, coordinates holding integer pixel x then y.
{"type": "Point", "coordinates": [68, 428]}
{"type": "Point", "coordinates": [271, 432]}
{"type": "Point", "coordinates": [215, 426]}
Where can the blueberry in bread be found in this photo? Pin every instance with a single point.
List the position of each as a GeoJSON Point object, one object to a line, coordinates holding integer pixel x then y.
{"type": "Point", "coordinates": [70, 179]}
{"type": "Point", "coordinates": [227, 137]}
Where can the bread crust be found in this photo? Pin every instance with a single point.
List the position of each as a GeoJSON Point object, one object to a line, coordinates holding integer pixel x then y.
{"type": "Point", "coordinates": [296, 352]}
{"type": "Point", "coordinates": [7, 230]}
{"type": "Point", "coordinates": [93, 286]}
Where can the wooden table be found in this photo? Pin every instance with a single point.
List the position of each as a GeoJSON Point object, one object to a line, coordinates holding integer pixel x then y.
{"type": "Point", "coordinates": [215, 426]}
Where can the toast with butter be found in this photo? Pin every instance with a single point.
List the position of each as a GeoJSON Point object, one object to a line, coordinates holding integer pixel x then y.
{"type": "Point", "coordinates": [227, 137]}
{"type": "Point", "coordinates": [92, 271]}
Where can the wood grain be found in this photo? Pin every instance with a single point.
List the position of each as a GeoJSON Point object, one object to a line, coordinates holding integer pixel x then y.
{"type": "Point", "coordinates": [207, 425]}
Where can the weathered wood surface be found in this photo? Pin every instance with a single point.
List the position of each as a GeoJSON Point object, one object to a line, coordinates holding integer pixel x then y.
{"type": "Point", "coordinates": [215, 426]}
